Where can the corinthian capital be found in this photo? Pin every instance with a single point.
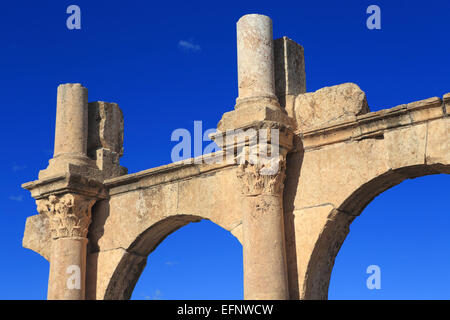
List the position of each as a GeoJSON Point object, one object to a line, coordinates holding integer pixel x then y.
{"type": "Point", "coordinates": [69, 214]}
{"type": "Point", "coordinates": [262, 178]}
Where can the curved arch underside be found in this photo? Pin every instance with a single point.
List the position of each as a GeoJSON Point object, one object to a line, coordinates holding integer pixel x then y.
{"type": "Point", "coordinates": [130, 267]}
{"type": "Point", "coordinates": [137, 217]}
{"type": "Point", "coordinates": [336, 182]}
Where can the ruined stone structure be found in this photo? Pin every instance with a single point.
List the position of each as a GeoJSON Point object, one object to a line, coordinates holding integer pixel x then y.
{"type": "Point", "coordinates": [98, 223]}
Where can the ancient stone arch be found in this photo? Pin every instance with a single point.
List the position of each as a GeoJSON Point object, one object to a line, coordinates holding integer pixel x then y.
{"type": "Point", "coordinates": [154, 209]}
{"type": "Point", "coordinates": [335, 182]}
{"type": "Point", "coordinates": [291, 214]}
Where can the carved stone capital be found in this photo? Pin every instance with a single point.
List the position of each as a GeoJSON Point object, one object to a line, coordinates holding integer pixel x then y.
{"type": "Point", "coordinates": [69, 214]}
{"type": "Point", "coordinates": [262, 178]}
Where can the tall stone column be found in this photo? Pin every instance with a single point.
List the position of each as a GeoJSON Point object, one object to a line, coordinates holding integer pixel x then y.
{"type": "Point", "coordinates": [71, 129]}
{"type": "Point", "coordinates": [265, 271]}
{"type": "Point", "coordinates": [71, 133]}
{"type": "Point", "coordinates": [256, 77]}
{"type": "Point", "coordinates": [265, 275]}
{"type": "Point", "coordinates": [69, 217]}
{"type": "Point", "coordinates": [74, 179]}
{"type": "Point", "coordinates": [71, 120]}
{"type": "Point", "coordinates": [242, 133]}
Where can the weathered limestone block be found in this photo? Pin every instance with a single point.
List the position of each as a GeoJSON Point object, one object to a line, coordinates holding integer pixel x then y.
{"type": "Point", "coordinates": [107, 231]}
{"type": "Point", "coordinates": [37, 235]}
{"type": "Point", "coordinates": [406, 146]}
{"type": "Point", "coordinates": [238, 232]}
{"type": "Point", "coordinates": [290, 77]}
{"type": "Point", "coordinates": [207, 191]}
{"type": "Point", "coordinates": [330, 175]}
{"type": "Point", "coordinates": [109, 163]}
{"type": "Point", "coordinates": [427, 109]}
{"type": "Point", "coordinates": [307, 225]}
{"type": "Point", "coordinates": [251, 115]}
{"type": "Point", "coordinates": [105, 137]}
{"type": "Point", "coordinates": [112, 274]}
{"type": "Point", "coordinates": [328, 105]}
{"type": "Point", "coordinates": [438, 142]}
{"type": "Point", "coordinates": [446, 100]}
{"type": "Point", "coordinates": [105, 127]}
{"type": "Point", "coordinates": [320, 233]}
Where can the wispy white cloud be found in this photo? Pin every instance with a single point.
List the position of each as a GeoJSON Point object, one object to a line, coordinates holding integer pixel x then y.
{"type": "Point", "coordinates": [155, 296]}
{"type": "Point", "coordinates": [16, 198]}
{"type": "Point", "coordinates": [189, 45]}
{"type": "Point", "coordinates": [171, 263]}
{"type": "Point", "coordinates": [17, 167]}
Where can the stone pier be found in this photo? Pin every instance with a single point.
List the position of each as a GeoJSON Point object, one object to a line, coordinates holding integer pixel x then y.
{"type": "Point", "coordinates": [73, 181]}
{"type": "Point", "coordinates": [265, 273]}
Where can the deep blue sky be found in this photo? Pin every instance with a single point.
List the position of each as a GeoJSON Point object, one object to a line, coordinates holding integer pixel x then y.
{"type": "Point", "coordinates": [129, 53]}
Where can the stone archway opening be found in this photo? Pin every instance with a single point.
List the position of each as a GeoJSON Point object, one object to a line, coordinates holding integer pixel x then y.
{"type": "Point", "coordinates": [198, 261]}
{"type": "Point", "coordinates": [180, 257]}
{"type": "Point", "coordinates": [339, 223]}
{"type": "Point", "coordinates": [403, 234]}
